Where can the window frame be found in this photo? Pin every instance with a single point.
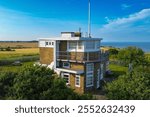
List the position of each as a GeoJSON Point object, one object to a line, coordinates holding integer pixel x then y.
{"type": "Point", "coordinates": [72, 47]}
{"type": "Point", "coordinates": [81, 46]}
{"type": "Point", "coordinates": [67, 83]}
{"type": "Point", "coordinates": [77, 76]}
{"type": "Point", "coordinates": [46, 43]}
{"type": "Point", "coordinates": [90, 43]}
{"type": "Point", "coordinates": [89, 75]}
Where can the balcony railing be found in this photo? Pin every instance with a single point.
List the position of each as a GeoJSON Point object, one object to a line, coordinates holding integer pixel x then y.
{"type": "Point", "coordinates": [79, 56]}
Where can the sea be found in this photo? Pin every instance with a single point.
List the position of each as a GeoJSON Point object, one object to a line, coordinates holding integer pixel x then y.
{"type": "Point", "coordinates": [145, 46]}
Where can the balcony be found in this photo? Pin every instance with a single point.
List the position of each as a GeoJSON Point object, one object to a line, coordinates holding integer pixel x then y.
{"type": "Point", "coordinates": [79, 56]}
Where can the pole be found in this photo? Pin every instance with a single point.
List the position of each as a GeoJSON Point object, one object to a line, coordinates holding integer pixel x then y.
{"type": "Point", "coordinates": [89, 19]}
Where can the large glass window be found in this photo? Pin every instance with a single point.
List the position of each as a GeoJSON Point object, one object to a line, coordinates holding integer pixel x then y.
{"type": "Point", "coordinates": [72, 45]}
{"type": "Point", "coordinates": [97, 44]}
{"type": "Point", "coordinates": [80, 45]}
{"type": "Point", "coordinates": [90, 44]}
{"type": "Point", "coordinates": [89, 74]}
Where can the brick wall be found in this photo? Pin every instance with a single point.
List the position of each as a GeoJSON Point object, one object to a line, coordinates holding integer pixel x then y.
{"type": "Point", "coordinates": [46, 55]}
{"type": "Point", "coordinates": [80, 89]}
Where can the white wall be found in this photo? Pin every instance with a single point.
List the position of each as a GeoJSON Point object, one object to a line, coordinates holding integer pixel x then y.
{"type": "Point", "coordinates": [45, 43]}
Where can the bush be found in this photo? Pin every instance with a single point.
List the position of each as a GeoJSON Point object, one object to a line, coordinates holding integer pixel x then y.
{"type": "Point", "coordinates": [36, 83]}
{"type": "Point", "coordinates": [132, 86]}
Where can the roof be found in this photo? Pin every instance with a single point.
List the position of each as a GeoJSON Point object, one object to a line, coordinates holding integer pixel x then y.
{"type": "Point", "coordinates": [70, 71]}
{"type": "Point", "coordinates": [69, 38]}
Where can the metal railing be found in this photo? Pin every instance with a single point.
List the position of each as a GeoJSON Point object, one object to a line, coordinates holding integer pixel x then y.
{"type": "Point", "coordinates": [79, 56]}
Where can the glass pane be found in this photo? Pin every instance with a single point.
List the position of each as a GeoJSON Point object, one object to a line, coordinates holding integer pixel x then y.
{"type": "Point", "coordinates": [80, 45]}
{"type": "Point", "coordinates": [72, 45]}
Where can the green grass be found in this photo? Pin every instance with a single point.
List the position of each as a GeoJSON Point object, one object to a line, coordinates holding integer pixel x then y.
{"type": "Point", "coordinates": [23, 55]}
{"type": "Point", "coordinates": [18, 53]}
{"type": "Point", "coordinates": [26, 56]}
{"type": "Point", "coordinates": [117, 70]}
{"type": "Point", "coordinates": [148, 55]}
{"type": "Point", "coordinates": [12, 68]}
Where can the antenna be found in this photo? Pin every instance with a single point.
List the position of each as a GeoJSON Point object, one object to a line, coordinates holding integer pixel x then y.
{"type": "Point", "coordinates": [89, 19]}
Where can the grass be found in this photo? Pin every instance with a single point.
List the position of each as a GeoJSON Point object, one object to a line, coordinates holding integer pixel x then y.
{"type": "Point", "coordinates": [148, 55]}
{"type": "Point", "coordinates": [26, 56]}
{"type": "Point", "coordinates": [18, 53]}
{"type": "Point", "coordinates": [117, 70]}
{"type": "Point", "coordinates": [19, 44]}
{"type": "Point", "coordinates": [11, 68]}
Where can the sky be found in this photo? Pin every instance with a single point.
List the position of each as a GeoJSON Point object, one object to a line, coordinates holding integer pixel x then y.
{"type": "Point", "coordinates": [112, 20]}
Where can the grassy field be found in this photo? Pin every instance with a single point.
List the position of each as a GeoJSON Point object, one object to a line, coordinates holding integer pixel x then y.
{"type": "Point", "coordinates": [26, 56]}
{"type": "Point", "coordinates": [19, 44]}
{"type": "Point", "coordinates": [18, 53]}
{"type": "Point", "coordinates": [14, 68]}
{"type": "Point", "coordinates": [117, 70]}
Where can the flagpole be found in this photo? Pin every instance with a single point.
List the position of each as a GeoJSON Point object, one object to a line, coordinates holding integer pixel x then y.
{"type": "Point", "coordinates": [89, 18]}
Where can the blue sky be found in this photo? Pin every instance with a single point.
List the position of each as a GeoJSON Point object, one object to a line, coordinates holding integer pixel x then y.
{"type": "Point", "coordinates": [113, 20]}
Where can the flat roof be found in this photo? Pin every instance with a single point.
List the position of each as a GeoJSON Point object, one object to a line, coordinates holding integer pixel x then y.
{"type": "Point", "coordinates": [69, 39]}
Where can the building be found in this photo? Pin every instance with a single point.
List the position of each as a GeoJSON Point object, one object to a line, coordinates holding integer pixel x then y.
{"type": "Point", "coordinates": [77, 59]}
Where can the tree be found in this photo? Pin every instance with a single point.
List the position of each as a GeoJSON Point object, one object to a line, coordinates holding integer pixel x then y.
{"type": "Point", "coordinates": [113, 52]}
{"type": "Point", "coordinates": [125, 88]}
{"type": "Point", "coordinates": [36, 83]}
{"type": "Point", "coordinates": [131, 55]}
{"type": "Point", "coordinates": [6, 81]}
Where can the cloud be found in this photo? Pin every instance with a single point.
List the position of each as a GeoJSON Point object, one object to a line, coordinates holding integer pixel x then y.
{"type": "Point", "coordinates": [125, 6]}
{"type": "Point", "coordinates": [135, 27]}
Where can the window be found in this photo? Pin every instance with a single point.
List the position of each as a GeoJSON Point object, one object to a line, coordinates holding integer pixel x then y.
{"type": "Point", "coordinates": [72, 45]}
{"type": "Point", "coordinates": [102, 71]}
{"type": "Point", "coordinates": [80, 45]}
{"type": "Point", "coordinates": [66, 76]}
{"type": "Point", "coordinates": [66, 65]}
{"type": "Point", "coordinates": [90, 44]}
{"type": "Point", "coordinates": [89, 74]}
{"type": "Point", "coordinates": [97, 43]}
{"type": "Point", "coordinates": [46, 43]}
{"type": "Point", "coordinates": [77, 81]}
{"type": "Point", "coordinates": [57, 63]}
{"type": "Point", "coordinates": [52, 43]}
{"type": "Point", "coordinates": [49, 43]}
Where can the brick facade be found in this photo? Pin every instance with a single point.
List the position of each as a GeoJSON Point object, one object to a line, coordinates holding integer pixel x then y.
{"type": "Point", "coordinates": [72, 83]}
{"type": "Point", "coordinates": [46, 55]}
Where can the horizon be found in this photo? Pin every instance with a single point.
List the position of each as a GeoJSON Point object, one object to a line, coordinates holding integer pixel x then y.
{"type": "Point", "coordinates": [124, 21]}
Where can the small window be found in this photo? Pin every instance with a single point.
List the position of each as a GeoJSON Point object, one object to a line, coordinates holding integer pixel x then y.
{"type": "Point", "coordinates": [66, 65]}
{"type": "Point", "coordinates": [66, 76]}
{"type": "Point", "coordinates": [49, 43]}
{"type": "Point", "coordinates": [77, 81]}
{"type": "Point", "coordinates": [46, 43]}
{"type": "Point", "coordinates": [52, 43]}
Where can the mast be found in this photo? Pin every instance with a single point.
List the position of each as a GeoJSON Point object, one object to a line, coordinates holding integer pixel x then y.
{"type": "Point", "coordinates": [89, 18]}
